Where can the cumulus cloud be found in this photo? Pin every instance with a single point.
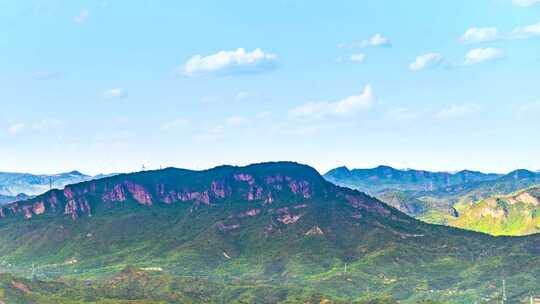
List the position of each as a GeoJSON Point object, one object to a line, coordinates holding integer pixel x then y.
{"type": "Point", "coordinates": [528, 31]}
{"type": "Point", "coordinates": [486, 34]}
{"type": "Point", "coordinates": [344, 107]}
{"type": "Point", "coordinates": [375, 41]}
{"type": "Point", "coordinates": [115, 93]}
{"type": "Point", "coordinates": [481, 34]}
{"type": "Point", "coordinates": [525, 3]}
{"type": "Point", "coordinates": [425, 61]}
{"type": "Point", "coordinates": [82, 16]}
{"type": "Point", "coordinates": [457, 110]}
{"type": "Point", "coordinates": [480, 55]}
{"type": "Point", "coordinates": [238, 61]}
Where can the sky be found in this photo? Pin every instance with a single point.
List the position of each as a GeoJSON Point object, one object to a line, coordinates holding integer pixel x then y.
{"type": "Point", "coordinates": [110, 86]}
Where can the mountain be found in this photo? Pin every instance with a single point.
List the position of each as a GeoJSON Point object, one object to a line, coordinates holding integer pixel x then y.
{"type": "Point", "coordinates": [264, 233]}
{"type": "Point", "coordinates": [513, 214]}
{"type": "Point", "coordinates": [432, 196]}
{"type": "Point", "coordinates": [470, 193]}
{"type": "Point", "coordinates": [384, 178]}
{"type": "Point", "coordinates": [13, 184]}
{"type": "Point", "coordinates": [5, 199]}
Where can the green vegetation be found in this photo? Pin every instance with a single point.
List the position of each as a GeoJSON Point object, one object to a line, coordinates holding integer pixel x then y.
{"type": "Point", "coordinates": [488, 203]}
{"type": "Point", "coordinates": [514, 214]}
{"type": "Point", "coordinates": [312, 243]}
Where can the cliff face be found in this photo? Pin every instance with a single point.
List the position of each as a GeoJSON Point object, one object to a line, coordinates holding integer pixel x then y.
{"type": "Point", "coordinates": [257, 183]}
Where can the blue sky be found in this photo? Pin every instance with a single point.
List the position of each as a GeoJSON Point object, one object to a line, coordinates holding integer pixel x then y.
{"type": "Point", "coordinates": [106, 86]}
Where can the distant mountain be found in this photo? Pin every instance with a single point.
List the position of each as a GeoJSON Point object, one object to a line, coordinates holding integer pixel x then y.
{"type": "Point", "coordinates": [4, 199]}
{"type": "Point", "coordinates": [13, 184]}
{"type": "Point", "coordinates": [433, 197]}
{"type": "Point", "coordinates": [514, 214]}
{"type": "Point", "coordinates": [384, 178]}
{"type": "Point", "coordinates": [264, 233]}
{"type": "Point", "coordinates": [469, 193]}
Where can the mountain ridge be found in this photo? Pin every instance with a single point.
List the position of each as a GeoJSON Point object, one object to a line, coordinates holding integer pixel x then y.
{"type": "Point", "coordinates": [16, 186]}
{"type": "Point", "coordinates": [275, 224]}
{"type": "Point", "coordinates": [384, 177]}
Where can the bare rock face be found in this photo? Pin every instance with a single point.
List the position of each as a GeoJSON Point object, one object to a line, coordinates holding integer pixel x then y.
{"type": "Point", "coordinates": [116, 194]}
{"type": "Point", "coordinates": [39, 208]}
{"type": "Point", "coordinates": [139, 193]}
{"type": "Point", "coordinates": [315, 230]}
{"type": "Point", "coordinates": [526, 198]}
{"type": "Point", "coordinates": [290, 218]}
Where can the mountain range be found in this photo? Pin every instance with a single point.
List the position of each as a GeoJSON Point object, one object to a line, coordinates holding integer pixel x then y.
{"type": "Point", "coordinates": [17, 186]}
{"type": "Point", "coordinates": [264, 233]}
{"type": "Point", "coordinates": [383, 178]}
{"type": "Point", "coordinates": [439, 197]}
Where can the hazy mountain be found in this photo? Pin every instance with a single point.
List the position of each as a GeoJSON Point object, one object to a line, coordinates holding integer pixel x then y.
{"type": "Point", "coordinates": [13, 184]}
{"type": "Point", "coordinates": [384, 178]}
{"type": "Point", "coordinates": [4, 199]}
{"type": "Point", "coordinates": [274, 231]}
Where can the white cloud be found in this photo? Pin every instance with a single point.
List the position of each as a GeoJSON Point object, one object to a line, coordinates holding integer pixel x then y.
{"type": "Point", "coordinates": [480, 55]}
{"type": "Point", "coordinates": [528, 31]}
{"type": "Point", "coordinates": [425, 61]}
{"type": "Point", "coordinates": [374, 41]}
{"type": "Point", "coordinates": [82, 16]}
{"type": "Point", "coordinates": [485, 34]}
{"type": "Point", "coordinates": [44, 75]}
{"type": "Point", "coordinates": [457, 110]}
{"type": "Point", "coordinates": [481, 34]}
{"type": "Point", "coordinates": [347, 106]}
{"type": "Point", "coordinates": [358, 58]}
{"type": "Point", "coordinates": [525, 3]}
{"type": "Point", "coordinates": [16, 128]}
{"type": "Point", "coordinates": [115, 93]}
{"type": "Point", "coordinates": [241, 61]}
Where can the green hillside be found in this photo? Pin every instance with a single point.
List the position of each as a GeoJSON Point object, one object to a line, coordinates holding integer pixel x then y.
{"type": "Point", "coordinates": [514, 214]}
{"type": "Point", "coordinates": [445, 198]}
{"type": "Point", "coordinates": [274, 232]}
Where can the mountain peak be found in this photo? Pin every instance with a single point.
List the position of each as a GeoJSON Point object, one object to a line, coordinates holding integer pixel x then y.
{"type": "Point", "coordinates": [75, 173]}
{"type": "Point", "coordinates": [521, 173]}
